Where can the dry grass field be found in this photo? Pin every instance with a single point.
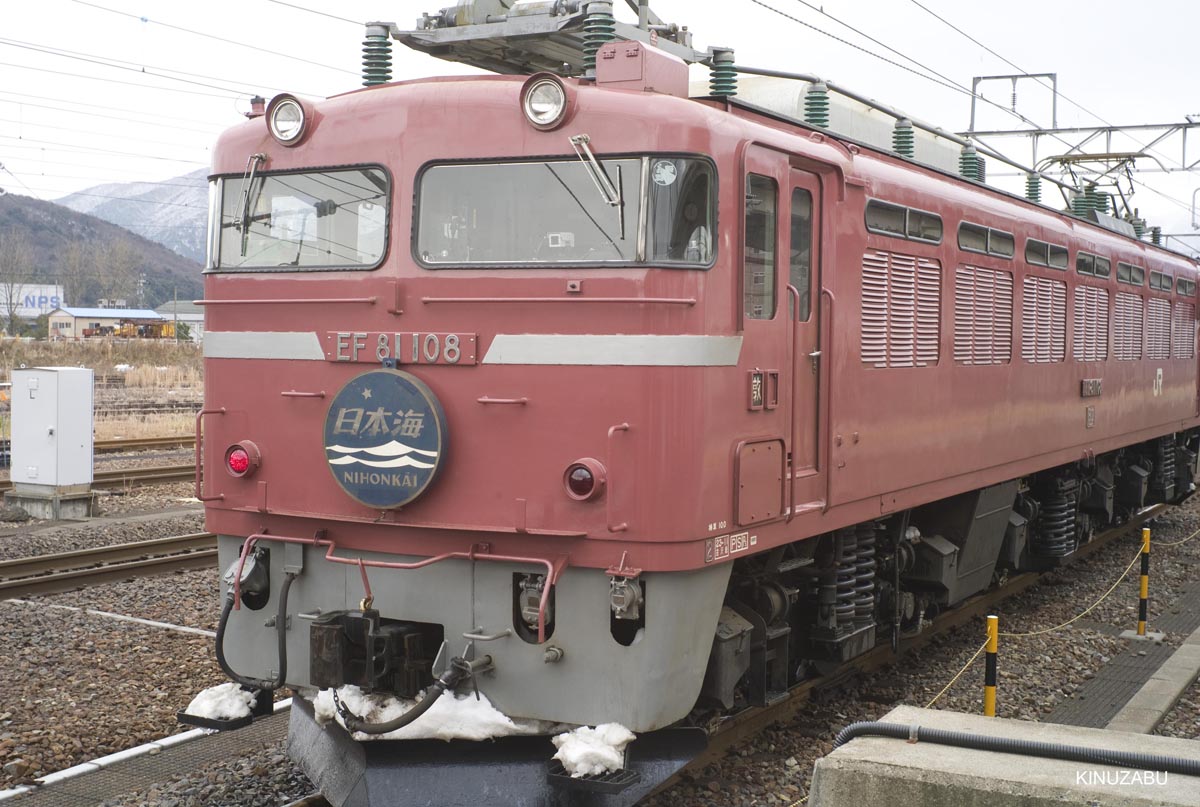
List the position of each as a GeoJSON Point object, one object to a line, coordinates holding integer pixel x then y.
{"type": "Point", "coordinates": [129, 374]}
{"type": "Point", "coordinates": [176, 363]}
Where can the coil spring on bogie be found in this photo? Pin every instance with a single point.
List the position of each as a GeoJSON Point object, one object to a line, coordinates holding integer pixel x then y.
{"type": "Point", "coordinates": [1164, 465]}
{"type": "Point", "coordinates": [1055, 535]}
{"type": "Point", "coordinates": [847, 562]}
{"type": "Point", "coordinates": [864, 576]}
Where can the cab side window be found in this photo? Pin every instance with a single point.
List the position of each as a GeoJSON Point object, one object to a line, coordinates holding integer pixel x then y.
{"type": "Point", "coordinates": [800, 273]}
{"type": "Point", "coordinates": [758, 263]}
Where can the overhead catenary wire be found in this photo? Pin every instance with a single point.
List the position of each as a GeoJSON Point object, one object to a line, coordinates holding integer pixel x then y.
{"type": "Point", "coordinates": [69, 74]}
{"type": "Point", "coordinates": [139, 112]}
{"type": "Point", "coordinates": [135, 67]}
{"type": "Point", "coordinates": [255, 47]}
{"type": "Point", "coordinates": [936, 78]}
{"type": "Point", "coordinates": [1043, 83]}
{"type": "Point", "coordinates": [27, 141]}
{"type": "Point", "coordinates": [319, 13]}
{"type": "Point", "coordinates": [122, 137]}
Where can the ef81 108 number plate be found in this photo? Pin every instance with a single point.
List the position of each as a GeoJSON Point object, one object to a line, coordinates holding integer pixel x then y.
{"type": "Point", "coordinates": [402, 348]}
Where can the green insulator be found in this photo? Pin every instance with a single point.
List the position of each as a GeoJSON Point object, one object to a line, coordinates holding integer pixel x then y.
{"type": "Point", "coordinates": [1093, 198]}
{"type": "Point", "coordinates": [598, 28]}
{"type": "Point", "coordinates": [1080, 204]}
{"type": "Point", "coordinates": [722, 75]}
{"type": "Point", "coordinates": [968, 163]}
{"type": "Point", "coordinates": [903, 139]}
{"type": "Point", "coordinates": [1033, 187]}
{"type": "Point", "coordinates": [980, 168]}
{"type": "Point", "coordinates": [1156, 236]}
{"type": "Point", "coordinates": [377, 56]}
{"type": "Point", "coordinates": [816, 105]}
{"type": "Point", "coordinates": [1139, 226]}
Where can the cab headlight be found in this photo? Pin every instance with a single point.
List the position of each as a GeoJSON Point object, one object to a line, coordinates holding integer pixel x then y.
{"type": "Point", "coordinates": [545, 101]}
{"type": "Point", "coordinates": [286, 119]}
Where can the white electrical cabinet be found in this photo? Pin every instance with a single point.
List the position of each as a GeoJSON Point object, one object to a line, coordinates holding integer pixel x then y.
{"type": "Point", "coordinates": [52, 427]}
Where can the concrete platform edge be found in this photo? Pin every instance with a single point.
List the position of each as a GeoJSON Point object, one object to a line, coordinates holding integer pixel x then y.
{"type": "Point", "coordinates": [1147, 708]}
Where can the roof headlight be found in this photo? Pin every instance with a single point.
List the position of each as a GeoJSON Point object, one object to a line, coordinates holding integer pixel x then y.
{"type": "Point", "coordinates": [545, 101]}
{"type": "Point", "coordinates": [286, 120]}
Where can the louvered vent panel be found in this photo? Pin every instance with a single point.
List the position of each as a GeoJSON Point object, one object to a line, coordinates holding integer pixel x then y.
{"type": "Point", "coordinates": [964, 313]}
{"type": "Point", "coordinates": [982, 316]}
{"type": "Point", "coordinates": [1127, 327]}
{"type": "Point", "coordinates": [1183, 330]}
{"type": "Point", "coordinates": [1043, 320]}
{"type": "Point", "coordinates": [1158, 328]}
{"type": "Point", "coordinates": [901, 307]}
{"type": "Point", "coordinates": [874, 309]}
{"type": "Point", "coordinates": [929, 310]}
{"type": "Point", "coordinates": [1090, 331]}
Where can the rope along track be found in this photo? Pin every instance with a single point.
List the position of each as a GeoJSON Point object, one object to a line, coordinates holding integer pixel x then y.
{"type": "Point", "coordinates": [66, 571]}
{"type": "Point", "coordinates": [134, 477]}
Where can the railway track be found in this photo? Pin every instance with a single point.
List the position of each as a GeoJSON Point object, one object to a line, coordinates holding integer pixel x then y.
{"type": "Point", "coordinates": [134, 477]}
{"type": "Point", "coordinates": [66, 571]}
{"type": "Point", "coordinates": [124, 444]}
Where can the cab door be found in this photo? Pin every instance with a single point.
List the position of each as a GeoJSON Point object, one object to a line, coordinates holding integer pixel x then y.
{"type": "Point", "coordinates": [763, 443]}
{"type": "Point", "coordinates": [804, 292]}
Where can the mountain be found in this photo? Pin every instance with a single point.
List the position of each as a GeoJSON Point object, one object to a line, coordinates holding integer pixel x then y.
{"type": "Point", "coordinates": [173, 213]}
{"type": "Point", "coordinates": [90, 256]}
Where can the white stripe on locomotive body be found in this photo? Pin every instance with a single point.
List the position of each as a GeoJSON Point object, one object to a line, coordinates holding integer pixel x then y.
{"type": "Point", "coordinates": [300, 345]}
{"type": "Point", "coordinates": [622, 350]}
{"type": "Point", "coordinates": [607, 350]}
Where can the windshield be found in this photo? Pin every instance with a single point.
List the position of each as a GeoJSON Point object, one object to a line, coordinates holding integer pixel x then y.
{"type": "Point", "coordinates": [312, 220]}
{"type": "Point", "coordinates": [555, 212]}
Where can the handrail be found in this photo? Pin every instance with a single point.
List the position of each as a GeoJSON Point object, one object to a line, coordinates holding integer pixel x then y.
{"type": "Point", "coordinates": [794, 294]}
{"type": "Point", "coordinates": [294, 394]}
{"type": "Point", "coordinates": [608, 499]}
{"type": "Point", "coordinates": [654, 300]}
{"type": "Point", "coordinates": [825, 385]}
{"type": "Point", "coordinates": [199, 450]}
{"type": "Point", "coordinates": [478, 552]}
{"type": "Point", "coordinates": [511, 401]}
{"type": "Point", "coordinates": [291, 301]}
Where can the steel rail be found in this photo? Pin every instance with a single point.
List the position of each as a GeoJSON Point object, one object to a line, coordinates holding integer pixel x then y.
{"type": "Point", "coordinates": [139, 443]}
{"type": "Point", "coordinates": [86, 567]}
{"type": "Point", "coordinates": [133, 477]}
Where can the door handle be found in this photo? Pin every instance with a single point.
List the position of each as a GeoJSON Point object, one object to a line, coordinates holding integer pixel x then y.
{"type": "Point", "coordinates": [815, 354]}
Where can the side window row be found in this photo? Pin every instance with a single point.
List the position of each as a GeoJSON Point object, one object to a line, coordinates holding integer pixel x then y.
{"type": "Point", "coordinates": [912, 224]}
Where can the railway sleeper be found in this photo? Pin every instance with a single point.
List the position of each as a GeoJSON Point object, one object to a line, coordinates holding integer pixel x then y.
{"type": "Point", "coordinates": [808, 607]}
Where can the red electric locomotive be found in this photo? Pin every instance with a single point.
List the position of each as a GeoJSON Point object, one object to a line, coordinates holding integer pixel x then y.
{"type": "Point", "coordinates": [615, 405]}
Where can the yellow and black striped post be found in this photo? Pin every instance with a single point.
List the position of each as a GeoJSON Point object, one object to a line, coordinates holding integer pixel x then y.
{"type": "Point", "coordinates": [1144, 601]}
{"type": "Point", "coordinates": [989, 674]}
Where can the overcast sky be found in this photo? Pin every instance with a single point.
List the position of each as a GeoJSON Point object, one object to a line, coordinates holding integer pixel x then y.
{"type": "Point", "coordinates": [101, 107]}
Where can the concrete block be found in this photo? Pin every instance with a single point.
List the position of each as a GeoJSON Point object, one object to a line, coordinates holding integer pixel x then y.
{"type": "Point", "coordinates": [878, 770]}
{"type": "Point", "coordinates": [1151, 636]}
{"type": "Point", "coordinates": [1136, 720]}
{"type": "Point", "coordinates": [52, 505]}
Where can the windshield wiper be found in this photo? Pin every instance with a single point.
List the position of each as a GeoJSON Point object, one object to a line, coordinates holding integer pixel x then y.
{"type": "Point", "coordinates": [242, 217]}
{"type": "Point", "coordinates": [613, 195]}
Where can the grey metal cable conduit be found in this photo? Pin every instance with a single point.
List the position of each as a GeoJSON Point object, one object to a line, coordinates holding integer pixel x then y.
{"type": "Point", "coordinates": [280, 633]}
{"type": "Point", "coordinates": [1007, 745]}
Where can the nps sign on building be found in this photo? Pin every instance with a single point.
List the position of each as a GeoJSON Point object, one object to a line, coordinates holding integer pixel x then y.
{"type": "Point", "coordinates": [30, 300]}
